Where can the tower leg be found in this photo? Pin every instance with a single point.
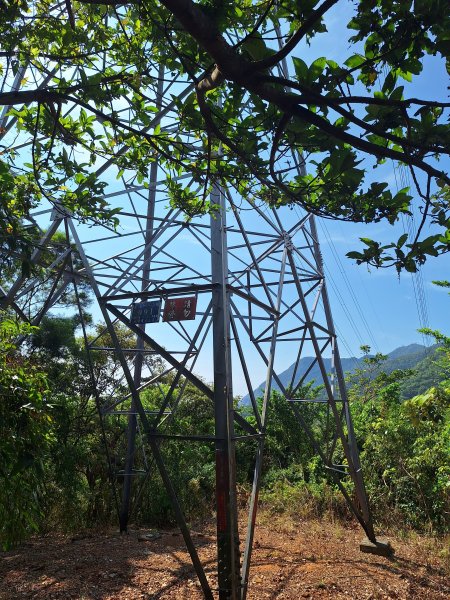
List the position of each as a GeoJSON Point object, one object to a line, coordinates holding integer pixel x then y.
{"type": "Point", "coordinates": [226, 504]}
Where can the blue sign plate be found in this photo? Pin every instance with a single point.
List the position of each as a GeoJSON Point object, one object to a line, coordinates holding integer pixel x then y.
{"type": "Point", "coordinates": [146, 312]}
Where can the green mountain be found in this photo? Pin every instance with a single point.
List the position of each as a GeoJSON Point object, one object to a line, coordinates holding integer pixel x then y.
{"type": "Point", "coordinates": [414, 356]}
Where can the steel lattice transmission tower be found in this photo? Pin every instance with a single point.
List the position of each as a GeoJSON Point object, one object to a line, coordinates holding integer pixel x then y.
{"type": "Point", "coordinates": [251, 281]}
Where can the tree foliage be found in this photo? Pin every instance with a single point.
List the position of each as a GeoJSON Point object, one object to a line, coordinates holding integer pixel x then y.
{"type": "Point", "coordinates": [241, 108]}
{"type": "Point", "coordinates": [55, 473]}
{"type": "Point", "coordinates": [26, 435]}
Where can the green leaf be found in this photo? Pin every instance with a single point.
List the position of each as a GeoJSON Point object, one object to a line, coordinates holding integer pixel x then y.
{"type": "Point", "coordinates": [301, 69]}
{"type": "Point", "coordinates": [316, 69]}
{"type": "Point", "coordinates": [401, 240]}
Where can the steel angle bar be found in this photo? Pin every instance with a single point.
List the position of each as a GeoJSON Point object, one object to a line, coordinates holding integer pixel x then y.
{"type": "Point", "coordinates": [186, 335]}
{"type": "Point", "coordinates": [181, 334]}
{"type": "Point", "coordinates": [118, 255]}
{"type": "Point", "coordinates": [172, 361]}
{"type": "Point", "coordinates": [324, 459]}
{"type": "Point", "coordinates": [266, 254]}
{"type": "Point", "coordinates": [14, 87]}
{"type": "Point", "coordinates": [103, 331]}
{"type": "Point", "coordinates": [153, 123]}
{"type": "Point", "coordinates": [173, 408]}
{"type": "Point", "coordinates": [132, 281]}
{"type": "Point", "coordinates": [333, 363]}
{"type": "Point", "coordinates": [174, 499]}
{"type": "Point", "coordinates": [142, 387]}
{"type": "Point", "coordinates": [153, 239]}
{"type": "Point", "coordinates": [281, 316]}
{"type": "Point", "coordinates": [282, 334]}
{"type": "Point", "coordinates": [226, 502]}
{"type": "Point", "coordinates": [289, 307]}
{"type": "Point", "coordinates": [139, 358]}
{"type": "Point", "coordinates": [260, 452]}
{"type": "Point", "coordinates": [258, 234]}
{"type": "Point", "coordinates": [14, 306]}
{"type": "Point", "coordinates": [317, 284]}
{"type": "Point", "coordinates": [334, 441]}
{"type": "Point", "coordinates": [239, 259]}
{"type": "Point", "coordinates": [36, 281]}
{"type": "Point", "coordinates": [268, 270]}
{"type": "Point", "coordinates": [250, 250]}
{"type": "Point", "coordinates": [297, 361]}
{"type": "Point", "coordinates": [179, 268]}
{"type": "Point", "coordinates": [138, 221]}
{"type": "Point", "coordinates": [311, 234]}
{"type": "Point", "coordinates": [300, 382]}
{"type": "Point", "coordinates": [195, 288]}
{"type": "Point", "coordinates": [185, 281]}
{"type": "Point", "coordinates": [252, 299]}
{"type": "Point", "coordinates": [184, 265]}
{"type": "Point", "coordinates": [300, 226]}
{"type": "Point", "coordinates": [144, 451]}
{"type": "Point", "coordinates": [311, 325]}
{"type": "Point", "coordinates": [315, 272]}
{"type": "Point", "coordinates": [274, 211]}
{"type": "Point", "coordinates": [308, 400]}
{"type": "Point", "coordinates": [196, 235]}
{"type": "Point", "coordinates": [187, 225]}
{"type": "Point", "coordinates": [6, 126]}
{"type": "Point", "coordinates": [349, 451]}
{"type": "Point", "coordinates": [317, 296]}
{"type": "Point", "coordinates": [262, 214]}
{"type": "Point", "coordinates": [269, 284]}
{"type": "Point", "coordinates": [39, 213]}
{"type": "Point", "coordinates": [183, 365]}
{"type": "Point", "coordinates": [258, 242]}
{"type": "Point", "coordinates": [52, 298]}
{"type": "Point", "coordinates": [178, 436]}
{"type": "Point", "coordinates": [249, 316]}
{"type": "Point", "coordinates": [353, 449]}
{"type": "Point", "coordinates": [258, 348]}
{"type": "Point", "coordinates": [12, 292]}
{"type": "Point", "coordinates": [246, 373]}
{"type": "Point", "coordinates": [185, 382]}
{"type": "Point", "coordinates": [294, 339]}
{"type": "Point", "coordinates": [92, 376]}
{"type": "Point", "coordinates": [320, 327]}
{"type": "Point", "coordinates": [131, 189]}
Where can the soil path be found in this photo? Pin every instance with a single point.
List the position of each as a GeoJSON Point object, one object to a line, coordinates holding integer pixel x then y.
{"type": "Point", "coordinates": [313, 560]}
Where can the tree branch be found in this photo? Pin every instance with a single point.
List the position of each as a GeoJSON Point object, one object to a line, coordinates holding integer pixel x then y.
{"type": "Point", "coordinates": [271, 61]}
{"type": "Point", "coordinates": [288, 104]}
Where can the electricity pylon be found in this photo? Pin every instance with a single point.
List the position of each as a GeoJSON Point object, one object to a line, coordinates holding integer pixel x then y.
{"type": "Point", "coordinates": [243, 295]}
{"type": "Point", "coordinates": [256, 277]}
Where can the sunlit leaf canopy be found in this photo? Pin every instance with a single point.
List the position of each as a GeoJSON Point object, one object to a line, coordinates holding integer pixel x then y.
{"type": "Point", "coordinates": [222, 91]}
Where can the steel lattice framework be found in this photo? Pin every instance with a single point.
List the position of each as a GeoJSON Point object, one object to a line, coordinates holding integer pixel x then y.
{"type": "Point", "coordinates": [262, 303]}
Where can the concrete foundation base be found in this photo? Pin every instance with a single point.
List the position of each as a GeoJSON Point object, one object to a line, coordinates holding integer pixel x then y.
{"type": "Point", "coordinates": [381, 547]}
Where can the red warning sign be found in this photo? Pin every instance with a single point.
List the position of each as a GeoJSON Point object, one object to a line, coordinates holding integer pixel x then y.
{"type": "Point", "coordinates": [180, 309]}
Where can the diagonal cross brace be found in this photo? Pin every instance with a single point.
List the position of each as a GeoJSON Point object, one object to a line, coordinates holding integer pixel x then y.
{"type": "Point", "coordinates": [178, 365]}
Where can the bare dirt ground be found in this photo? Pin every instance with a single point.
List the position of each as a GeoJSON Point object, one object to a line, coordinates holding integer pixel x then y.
{"type": "Point", "coordinates": [309, 560]}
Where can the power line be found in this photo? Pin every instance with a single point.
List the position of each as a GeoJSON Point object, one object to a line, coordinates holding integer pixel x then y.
{"type": "Point", "coordinates": [349, 285]}
{"type": "Point", "coordinates": [409, 227]}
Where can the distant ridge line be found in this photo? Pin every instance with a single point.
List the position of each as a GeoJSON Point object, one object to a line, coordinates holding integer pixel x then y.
{"type": "Point", "coordinates": [403, 357]}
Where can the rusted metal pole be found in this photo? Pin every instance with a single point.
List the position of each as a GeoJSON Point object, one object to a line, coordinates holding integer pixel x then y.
{"type": "Point", "coordinates": [226, 505]}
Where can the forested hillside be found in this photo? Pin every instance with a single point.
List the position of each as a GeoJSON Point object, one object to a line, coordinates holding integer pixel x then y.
{"type": "Point", "coordinates": [421, 359]}
{"type": "Point", "coordinates": [56, 469]}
